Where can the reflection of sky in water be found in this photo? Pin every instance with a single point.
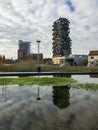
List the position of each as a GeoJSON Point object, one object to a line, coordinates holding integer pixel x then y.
{"type": "Point", "coordinates": [19, 109]}
{"type": "Point", "coordinates": [85, 79]}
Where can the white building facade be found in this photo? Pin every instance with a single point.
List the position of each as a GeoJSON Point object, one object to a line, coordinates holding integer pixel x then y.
{"type": "Point", "coordinates": [93, 58]}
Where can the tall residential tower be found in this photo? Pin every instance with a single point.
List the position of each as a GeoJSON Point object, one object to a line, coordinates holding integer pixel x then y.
{"type": "Point", "coordinates": [61, 40]}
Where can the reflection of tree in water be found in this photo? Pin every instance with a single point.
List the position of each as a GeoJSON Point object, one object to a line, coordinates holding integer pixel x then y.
{"type": "Point", "coordinates": [61, 96]}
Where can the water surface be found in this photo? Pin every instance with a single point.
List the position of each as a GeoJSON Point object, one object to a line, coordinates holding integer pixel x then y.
{"type": "Point", "coordinates": [48, 108]}
{"type": "Point", "coordinates": [86, 78]}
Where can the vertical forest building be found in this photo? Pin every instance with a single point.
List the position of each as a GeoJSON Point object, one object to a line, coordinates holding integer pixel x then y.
{"type": "Point", "coordinates": [61, 41]}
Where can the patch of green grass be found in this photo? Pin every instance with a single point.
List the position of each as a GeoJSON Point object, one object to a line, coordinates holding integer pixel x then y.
{"type": "Point", "coordinates": [4, 81]}
{"type": "Point", "coordinates": [48, 81]}
{"type": "Point", "coordinates": [87, 86]}
{"type": "Point", "coordinates": [58, 81]}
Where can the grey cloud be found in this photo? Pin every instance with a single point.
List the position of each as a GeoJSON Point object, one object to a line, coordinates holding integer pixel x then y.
{"type": "Point", "coordinates": [31, 20]}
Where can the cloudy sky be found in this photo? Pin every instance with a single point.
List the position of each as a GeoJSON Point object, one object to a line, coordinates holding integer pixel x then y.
{"type": "Point", "coordinates": [32, 20]}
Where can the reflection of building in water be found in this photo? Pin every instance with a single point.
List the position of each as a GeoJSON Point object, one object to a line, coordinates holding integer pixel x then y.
{"type": "Point", "coordinates": [93, 75]}
{"type": "Point", "coordinates": [61, 96]}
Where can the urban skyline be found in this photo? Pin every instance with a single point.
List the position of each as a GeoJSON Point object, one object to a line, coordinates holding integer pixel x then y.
{"type": "Point", "coordinates": [32, 21]}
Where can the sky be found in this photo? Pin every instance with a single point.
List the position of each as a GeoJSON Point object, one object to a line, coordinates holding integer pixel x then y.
{"type": "Point", "coordinates": [32, 20]}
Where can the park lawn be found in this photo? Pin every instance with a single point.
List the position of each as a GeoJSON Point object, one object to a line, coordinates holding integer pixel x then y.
{"type": "Point", "coordinates": [48, 81]}
{"type": "Point", "coordinates": [58, 81]}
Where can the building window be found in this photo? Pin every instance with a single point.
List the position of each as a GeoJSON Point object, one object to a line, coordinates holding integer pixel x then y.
{"type": "Point", "coordinates": [92, 57]}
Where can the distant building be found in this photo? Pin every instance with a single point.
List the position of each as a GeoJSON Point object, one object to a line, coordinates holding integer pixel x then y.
{"type": "Point", "coordinates": [34, 56]}
{"type": "Point", "coordinates": [58, 60]}
{"type": "Point", "coordinates": [93, 58]}
{"type": "Point", "coordinates": [2, 59]}
{"type": "Point", "coordinates": [24, 49]}
{"type": "Point", "coordinates": [78, 60]}
{"type": "Point", "coordinates": [21, 54]}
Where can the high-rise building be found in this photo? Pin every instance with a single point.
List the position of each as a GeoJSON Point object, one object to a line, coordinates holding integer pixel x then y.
{"type": "Point", "coordinates": [2, 58]}
{"type": "Point", "coordinates": [24, 46]}
{"type": "Point", "coordinates": [24, 49]}
{"type": "Point", "coordinates": [61, 40]}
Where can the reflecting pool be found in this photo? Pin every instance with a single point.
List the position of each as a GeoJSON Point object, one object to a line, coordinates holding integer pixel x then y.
{"type": "Point", "coordinates": [48, 108]}
{"type": "Point", "coordinates": [86, 78]}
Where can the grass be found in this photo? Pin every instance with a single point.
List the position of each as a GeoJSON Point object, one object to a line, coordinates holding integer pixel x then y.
{"type": "Point", "coordinates": [58, 81]}
{"type": "Point", "coordinates": [48, 81]}
{"type": "Point", "coordinates": [31, 66]}
{"type": "Point", "coordinates": [87, 86]}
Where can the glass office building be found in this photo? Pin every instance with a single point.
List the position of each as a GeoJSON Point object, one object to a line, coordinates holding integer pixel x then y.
{"type": "Point", "coordinates": [24, 49]}
{"type": "Point", "coordinates": [24, 46]}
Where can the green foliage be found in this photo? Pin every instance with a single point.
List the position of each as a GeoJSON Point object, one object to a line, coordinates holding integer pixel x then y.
{"type": "Point", "coordinates": [31, 66]}
{"type": "Point", "coordinates": [48, 81]}
{"type": "Point", "coordinates": [26, 66]}
{"type": "Point", "coordinates": [47, 61]}
{"type": "Point", "coordinates": [7, 68]}
{"type": "Point", "coordinates": [87, 86]}
{"type": "Point", "coordinates": [56, 81]}
{"type": "Point", "coordinates": [85, 63]}
{"type": "Point", "coordinates": [9, 61]}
